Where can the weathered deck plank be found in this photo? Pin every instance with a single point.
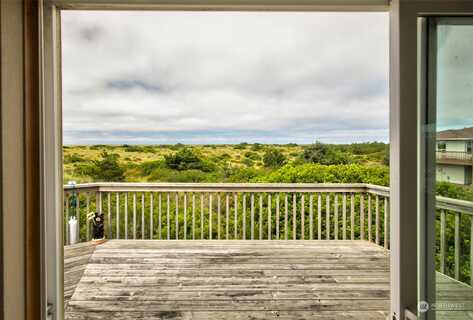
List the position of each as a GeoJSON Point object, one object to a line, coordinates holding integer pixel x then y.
{"type": "Point", "coordinates": [76, 258]}
{"type": "Point", "coordinates": [127, 279]}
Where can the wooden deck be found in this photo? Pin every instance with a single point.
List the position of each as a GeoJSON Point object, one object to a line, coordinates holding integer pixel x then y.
{"type": "Point", "coordinates": [232, 280]}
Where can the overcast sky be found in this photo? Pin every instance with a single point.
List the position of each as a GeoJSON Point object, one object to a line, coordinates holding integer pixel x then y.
{"type": "Point", "coordinates": [227, 77]}
{"type": "Point", "coordinates": [455, 77]}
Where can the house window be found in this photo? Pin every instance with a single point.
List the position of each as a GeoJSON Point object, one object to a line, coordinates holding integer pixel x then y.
{"type": "Point", "coordinates": [469, 145]}
{"type": "Point", "coordinates": [441, 146]}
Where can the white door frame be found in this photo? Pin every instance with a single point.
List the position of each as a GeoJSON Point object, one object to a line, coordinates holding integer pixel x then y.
{"type": "Point", "coordinates": [404, 121]}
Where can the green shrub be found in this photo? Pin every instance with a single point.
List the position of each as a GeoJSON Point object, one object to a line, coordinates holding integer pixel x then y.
{"type": "Point", "coordinates": [186, 159]}
{"type": "Point", "coordinates": [73, 158]}
{"type": "Point", "coordinates": [106, 169]}
{"type": "Point", "coordinates": [324, 154]}
{"type": "Point", "coordinates": [273, 158]}
{"type": "Point", "coordinates": [317, 173]}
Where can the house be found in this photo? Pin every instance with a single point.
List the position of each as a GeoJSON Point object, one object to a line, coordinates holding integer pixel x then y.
{"type": "Point", "coordinates": [454, 156]}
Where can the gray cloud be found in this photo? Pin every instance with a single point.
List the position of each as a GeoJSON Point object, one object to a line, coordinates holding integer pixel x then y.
{"type": "Point", "coordinates": [224, 77]}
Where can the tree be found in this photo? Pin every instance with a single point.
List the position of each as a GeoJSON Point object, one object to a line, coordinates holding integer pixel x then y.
{"type": "Point", "coordinates": [107, 168]}
{"type": "Point", "coordinates": [273, 158]}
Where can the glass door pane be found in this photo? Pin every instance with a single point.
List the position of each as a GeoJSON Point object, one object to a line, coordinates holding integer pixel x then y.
{"type": "Point", "coordinates": [447, 213]}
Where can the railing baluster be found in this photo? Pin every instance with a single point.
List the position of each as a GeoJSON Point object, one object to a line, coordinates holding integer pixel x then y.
{"type": "Point", "coordinates": [335, 216]}
{"type": "Point", "coordinates": [151, 214]}
{"type": "Point", "coordinates": [457, 246]}
{"type": "Point", "coordinates": [277, 216]}
{"type": "Point", "coordinates": [377, 219]}
{"type": "Point", "coordinates": [311, 216]}
{"type": "Point", "coordinates": [386, 223]}
{"type": "Point", "coordinates": [117, 217]}
{"type": "Point", "coordinates": [235, 216]}
{"type": "Point", "coordinates": [362, 217]}
{"type": "Point", "coordinates": [344, 216]}
{"type": "Point", "coordinates": [370, 222]}
{"type": "Point", "coordinates": [201, 216]}
{"type": "Point", "coordinates": [185, 215]}
{"type": "Point", "coordinates": [442, 241]}
{"type": "Point", "coordinates": [193, 216]}
{"type": "Point", "coordinates": [294, 216]}
{"type": "Point", "coordinates": [227, 215]}
{"type": "Point", "coordinates": [261, 217]}
{"type": "Point", "coordinates": [87, 211]}
{"type": "Point", "coordinates": [243, 217]}
{"type": "Point", "coordinates": [126, 215]}
{"type": "Point", "coordinates": [352, 216]}
{"type": "Point", "coordinates": [176, 202]}
{"type": "Point", "coordinates": [319, 216]}
{"type": "Point", "coordinates": [109, 216]}
{"type": "Point", "coordinates": [160, 235]}
{"type": "Point", "coordinates": [471, 250]}
{"type": "Point", "coordinates": [302, 237]}
{"type": "Point", "coordinates": [218, 216]}
{"type": "Point", "coordinates": [168, 216]}
{"type": "Point", "coordinates": [252, 217]}
{"type": "Point", "coordinates": [327, 216]}
{"type": "Point", "coordinates": [269, 217]}
{"type": "Point", "coordinates": [285, 216]}
{"type": "Point", "coordinates": [134, 215]}
{"type": "Point", "coordinates": [78, 216]}
{"type": "Point", "coordinates": [67, 219]}
{"type": "Point", "coordinates": [143, 215]}
{"type": "Point", "coordinates": [210, 216]}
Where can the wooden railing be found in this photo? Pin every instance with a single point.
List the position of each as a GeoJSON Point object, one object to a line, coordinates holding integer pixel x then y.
{"type": "Point", "coordinates": [233, 211]}
{"type": "Point", "coordinates": [262, 212]}
{"type": "Point", "coordinates": [455, 155]}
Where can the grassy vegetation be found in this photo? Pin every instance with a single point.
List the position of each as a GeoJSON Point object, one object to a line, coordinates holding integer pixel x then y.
{"type": "Point", "coordinates": [216, 163]}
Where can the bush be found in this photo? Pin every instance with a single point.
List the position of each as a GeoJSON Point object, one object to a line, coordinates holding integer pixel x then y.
{"type": "Point", "coordinates": [186, 159]}
{"type": "Point", "coordinates": [73, 158]}
{"type": "Point", "coordinates": [107, 168]}
{"type": "Point", "coordinates": [324, 154]}
{"type": "Point", "coordinates": [317, 173]}
{"type": "Point", "coordinates": [273, 158]}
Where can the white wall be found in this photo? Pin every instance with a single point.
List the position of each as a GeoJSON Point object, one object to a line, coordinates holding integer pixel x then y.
{"type": "Point", "coordinates": [459, 146]}
{"type": "Point", "coordinates": [451, 173]}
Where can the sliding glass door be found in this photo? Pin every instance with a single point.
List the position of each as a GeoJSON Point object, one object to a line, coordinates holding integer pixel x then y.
{"type": "Point", "coordinates": [446, 194]}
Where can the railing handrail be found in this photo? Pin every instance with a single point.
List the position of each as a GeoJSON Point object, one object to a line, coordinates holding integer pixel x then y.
{"type": "Point", "coordinates": [453, 151]}
{"type": "Point", "coordinates": [456, 205]}
{"type": "Point", "coordinates": [227, 187]}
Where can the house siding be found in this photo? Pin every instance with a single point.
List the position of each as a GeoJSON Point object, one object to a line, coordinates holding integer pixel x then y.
{"type": "Point", "coordinates": [453, 173]}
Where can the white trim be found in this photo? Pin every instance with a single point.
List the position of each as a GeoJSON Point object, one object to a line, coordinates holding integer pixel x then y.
{"type": "Point", "coordinates": [226, 5]}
